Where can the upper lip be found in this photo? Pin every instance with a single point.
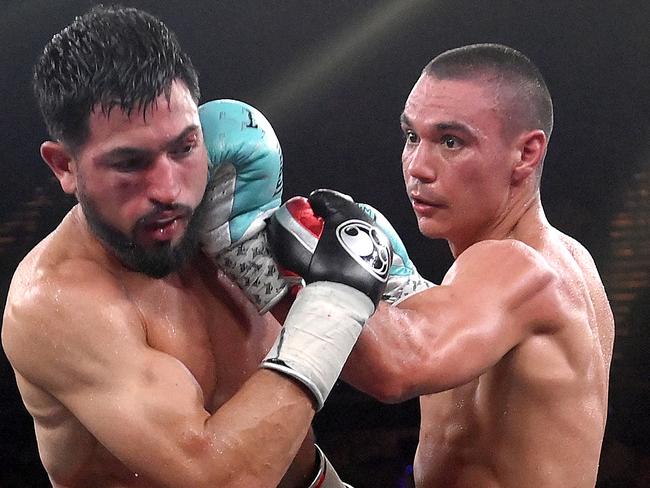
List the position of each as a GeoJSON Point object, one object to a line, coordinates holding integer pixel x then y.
{"type": "Point", "coordinates": [163, 218]}
{"type": "Point", "coordinates": [432, 200]}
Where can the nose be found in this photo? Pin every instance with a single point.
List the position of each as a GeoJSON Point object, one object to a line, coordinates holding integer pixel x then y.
{"type": "Point", "coordinates": [419, 162]}
{"type": "Point", "coordinates": [163, 180]}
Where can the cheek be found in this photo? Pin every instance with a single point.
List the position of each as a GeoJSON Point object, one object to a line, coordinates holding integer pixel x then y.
{"type": "Point", "coordinates": [411, 169]}
{"type": "Point", "coordinates": [463, 182]}
{"type": "Point", "coordinates": [121, 198]}
{"type": "Point", "coordinates": [195, 179]}
{"type": "Point", "coordinates": [484, 191]}
{"type": "Point", "coordinates": [404, 161]}
{"type": "Point", "coordinates": [125, 203]}
{"type": "Point", "coordinates": [405, 175]}
{"type": "Point", "coordinates": [467, 189]}
{"type": "Point", "coordinates": [109, 189]}
{"type": "Point", "coordinates": [126, 191]}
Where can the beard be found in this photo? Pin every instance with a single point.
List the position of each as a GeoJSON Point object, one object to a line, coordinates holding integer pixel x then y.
{"type": "Point", "coordinates": [157, 260]}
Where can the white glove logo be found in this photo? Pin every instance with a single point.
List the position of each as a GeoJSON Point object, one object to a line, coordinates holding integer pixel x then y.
{"type": "Point", "coordinates": [367, 246]}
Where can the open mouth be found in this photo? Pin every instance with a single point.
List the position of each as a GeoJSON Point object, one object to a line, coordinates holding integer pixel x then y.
{"type": "Point", "coordinates": [164, 229]}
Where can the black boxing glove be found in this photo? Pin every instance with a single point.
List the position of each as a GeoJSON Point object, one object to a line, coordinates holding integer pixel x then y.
{"type": "Point", "coordinates": [344, 259]}
{"type": "Point", "coordinates": [329, 238]}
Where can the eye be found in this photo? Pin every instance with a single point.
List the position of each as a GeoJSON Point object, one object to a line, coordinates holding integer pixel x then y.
{"type": "Point", "coordinates": [410, 136]}
{"type": "Point", "coordinates": [451, 142]}
{"type": "Point", "coordinates": [186, 147]}
{"type": "Point", "coordinates": [129, 165]}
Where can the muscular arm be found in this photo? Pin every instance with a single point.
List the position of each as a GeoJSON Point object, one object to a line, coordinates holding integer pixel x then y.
{"type": "Point", "coordinates": [84, 342]}
{"type": "Point", "coordinates": [495, 295]}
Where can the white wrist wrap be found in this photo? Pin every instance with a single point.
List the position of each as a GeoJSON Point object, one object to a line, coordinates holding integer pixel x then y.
{"type": "Point", "coordinates": [318, 335]}
{"type": "Point", "coordinates": [327, 477]}
{"type": "Point", "coordinates": [250, 264]}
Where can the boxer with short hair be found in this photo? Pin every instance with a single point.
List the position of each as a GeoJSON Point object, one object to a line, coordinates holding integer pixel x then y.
{"type": "Point", "coordinates": [510, 355]}
{"type": "Point", "coordinates": [141, 362]}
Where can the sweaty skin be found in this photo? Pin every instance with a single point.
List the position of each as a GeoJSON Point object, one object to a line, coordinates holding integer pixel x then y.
{"type": "Point", "coordinates": [141, 382]}
{"type": "Point", "coordinates": [510, 355]}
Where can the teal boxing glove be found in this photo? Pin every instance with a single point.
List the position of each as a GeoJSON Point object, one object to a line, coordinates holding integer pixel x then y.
{"type": "Point", "coordinates": [244, 187]}
{"type": "Point", "coordinates": [403, 277]}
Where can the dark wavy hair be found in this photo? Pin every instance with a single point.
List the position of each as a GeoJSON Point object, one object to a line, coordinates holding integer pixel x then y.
{"type": "Point", "coordinates": [109, 57]}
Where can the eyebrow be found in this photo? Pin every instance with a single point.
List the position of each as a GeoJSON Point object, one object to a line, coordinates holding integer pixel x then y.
{"type": "Point", "coordinates": [181, 137]}
{"type": "Point", "coordinates": [444, 126]}
{"type": "Point", "coordinates": [126, 152]}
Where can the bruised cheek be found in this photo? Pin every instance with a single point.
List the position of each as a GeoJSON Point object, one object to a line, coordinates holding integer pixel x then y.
{"type": "Point", "coordinates": [128, 194]}
{"type": "Point", "coordinates": [127, 188]}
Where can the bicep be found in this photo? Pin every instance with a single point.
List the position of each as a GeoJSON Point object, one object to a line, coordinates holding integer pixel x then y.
{"type": "Point", "coordinates": [447, 335]}
{"type": "Point", "coordinates": [494, 297]}
{"type": "Point", "coordinates": [460, 337]}
{"type": "Point", "coordinates": [430, 342]}
{"type": "Point", "coordinates": [136, 401]}
{"type": "Point", "coordinates": [140, 404]}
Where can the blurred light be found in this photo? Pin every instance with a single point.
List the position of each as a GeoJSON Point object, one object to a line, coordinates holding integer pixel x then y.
{"type": "Point", "coordinates": [338, 58]}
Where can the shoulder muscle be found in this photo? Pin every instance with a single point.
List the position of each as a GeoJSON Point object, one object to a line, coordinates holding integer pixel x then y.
{"type": "Point", "coordinates": [506, 274]}
{"type": "Point", "coordinates": [51, 315]}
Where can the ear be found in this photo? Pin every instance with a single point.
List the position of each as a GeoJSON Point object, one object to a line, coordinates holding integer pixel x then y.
{"type": "Point", "coordinates": [531, 149]}
{"type": "Point", "coordinates": [62, 164]}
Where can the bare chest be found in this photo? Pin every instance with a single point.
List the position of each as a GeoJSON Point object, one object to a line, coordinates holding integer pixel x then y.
{"type": "Point", "coordinates": [468, 425]}
{"type": "Point", "coordinates": [209, 326]}
{"type": "Point", "coordinates": [451, 417]}
{"type": "Point", "coordinates": [519, 424]}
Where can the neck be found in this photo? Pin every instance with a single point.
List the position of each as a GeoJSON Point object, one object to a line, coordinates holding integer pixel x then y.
{"type": "Point", "coordinates": [521, 214]}
{"type": "Point", "coordinates": [91, 243]}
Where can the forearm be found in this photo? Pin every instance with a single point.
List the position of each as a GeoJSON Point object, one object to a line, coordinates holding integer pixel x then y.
{"type": "Point", "coordinates": [304, 467]}
{"type": "Point", "coordinates": [391, 351]}
{"type": "Point", "coordinates": [318, 335]}
{"type": "Point", "coordinates": [252, 442]}
{"type": "Point", "coordinates": [382, 360]}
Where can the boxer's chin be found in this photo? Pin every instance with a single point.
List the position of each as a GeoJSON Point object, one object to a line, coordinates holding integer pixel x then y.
{"type": "Point", "coordinates": [155, 259]}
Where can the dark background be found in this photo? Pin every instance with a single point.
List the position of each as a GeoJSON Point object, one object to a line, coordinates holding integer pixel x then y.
{"type": "Point", "coordinates": [332, 77]}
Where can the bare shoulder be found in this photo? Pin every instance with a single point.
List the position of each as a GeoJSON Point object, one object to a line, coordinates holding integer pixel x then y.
{"type": "Point", "coordinates": [499, 252]}
{"type": "Point", "coordinates": [580, 256]}
{"type": "Point", "coordinates": [582, 286]}
{"type": "Point", "coordinates": [505, 263]}
{"type": "Point", "coordinates": [510, 279]}
{"type": "Point", "coordinates": [56, 306]}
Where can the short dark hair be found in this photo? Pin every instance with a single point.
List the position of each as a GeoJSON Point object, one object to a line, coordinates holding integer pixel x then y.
{"type": "Point", "coordinates": [532, 105]}
{"type": "Point", "coordinates": [109, 57]}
